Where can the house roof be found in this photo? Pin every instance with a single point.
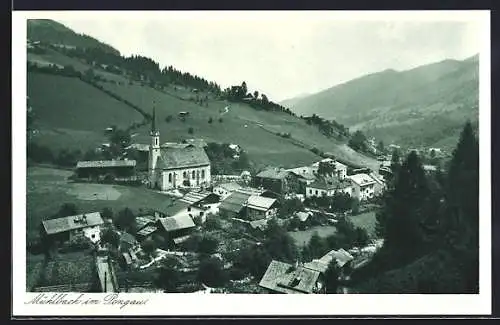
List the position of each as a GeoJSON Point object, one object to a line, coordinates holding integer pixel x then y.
{"type": "Point", "coordinates": [148, 230]}
{"type": "Point", "coordinates": [175, 207]}
{"type": "Point", "coordinates": [54, 226]}
{"type": "Point", "coordinates": [341, 256]}
{"type": "Point", "coordinates": [196, 142]}
{"type": "Point", "coordinates": [105, 163]}
{"type": "Point", "coordinates": [231, 187]}
{"type": "Point", "coordinates": [303, 216]}
{"type": "Point", "coordinates": [274, 173]}
{"type": "Point", "coordinates": [195, 197]}
{"type": "Point", "coordinates": [234, 202]}
{"type": "Point", "coordinates": [362, 179]}
{"type": "Point", "coordinates": [190, 156]}
{"type": "Point", "coordinates": [178, 222]}
{"type": "Point", "coordinates": [260, 203]}
{"type": "Point", "coordinates": [377, 178]}
{"type": "Point", "coordinates": [329, 184]}
{"type": "Point", "coordinates": [143, 221]}
{"type": "Point", "coordinates": [304, 172]}
{"type": "Point", "coordinates": [285, 278]}
{"type": "Point", "coordinates": [127, 238]}
{"type": "Point", "coordinates": [251, 191]}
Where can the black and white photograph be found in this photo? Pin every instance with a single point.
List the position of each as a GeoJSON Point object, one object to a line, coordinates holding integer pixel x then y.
{"type": "Point", "coordinates": [207, 154]}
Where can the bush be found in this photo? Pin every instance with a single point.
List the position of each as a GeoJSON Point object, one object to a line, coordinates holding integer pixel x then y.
{"type": "Point", "coordinates": [190, 130]}
{"type": "Point", "coordinates": [212, 273]}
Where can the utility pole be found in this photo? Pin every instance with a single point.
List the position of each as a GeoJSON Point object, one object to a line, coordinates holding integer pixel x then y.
{"type": "Point", "coordinates": [105, 281]}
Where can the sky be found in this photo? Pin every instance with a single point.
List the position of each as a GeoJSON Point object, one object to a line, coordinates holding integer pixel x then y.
{"type": "Point", "coordinates": [279, 54]}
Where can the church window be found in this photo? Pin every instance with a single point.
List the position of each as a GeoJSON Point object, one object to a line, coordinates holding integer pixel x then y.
{"type": "Point", "coordinates": [170, 177]}
{"type": "Point", "coordinates": [193, 174]}
{"type": "Point", "coordinates": [202, 173]}
{"type": "Point", "coordinates": [184, 174]}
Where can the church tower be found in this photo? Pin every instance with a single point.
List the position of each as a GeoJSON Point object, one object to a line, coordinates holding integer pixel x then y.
{"type": "Point", "coordinates": [154, 153]}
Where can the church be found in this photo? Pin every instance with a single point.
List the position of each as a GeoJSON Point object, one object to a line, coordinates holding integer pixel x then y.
{"type": "Point", "coordinates": [174, 165]}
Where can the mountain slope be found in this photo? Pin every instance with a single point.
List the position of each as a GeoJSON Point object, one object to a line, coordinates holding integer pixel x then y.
{"type": "Point", "coordinates": [50, 31]}
{"type": "Point", "coordinates": [72, 113]}
{"type": "Point", "coordinates": [403, 106]}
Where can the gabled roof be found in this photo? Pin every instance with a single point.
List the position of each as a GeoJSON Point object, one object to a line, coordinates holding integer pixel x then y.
{"type": "Point", "coordinates": [175, 207]}
{"type": "Point", "coordinates": [303, 216]}
{"type": "Point", "coordinates": [362, 179]}
{"type": "Point", "coordinates": [260, 203]}
{"type": "Point", "coordinates": [54, 226]}
{"type": "Point", "coordinates": [341, 257]}
{"type": "Point", "coordinates": [105, 163]}
{"type": "Point", "coordinates": [178, 222]}
{"type": "Point", "coordinates": [190, 156]}
{"type": "Point", "coordinates": [143, 221]}
{"type": "Point", "coordinates": [304, 172]}
{"type": "Point", "coordinates": [235, 202]}
{"type": "Point", "coordinates": [127, 238]}
{"type": "Point", "coordinates": [195, 197]}
{"type": "Point", "coordinates": [285, 278]}
{"type": "Point", "coordinates": [273, 173]}
{"type": "Point", "coordinates": [146, 231]}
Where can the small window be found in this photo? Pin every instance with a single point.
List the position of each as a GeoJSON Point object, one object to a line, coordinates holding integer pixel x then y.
{"type": "Point", "coordinates": [170, 177]}
{"type": "Point", "coordinates": [316, 192]}
{"type": "Point", "coordinates": [193, 174]}
{"type": "Point", "coordinates": [93, 236]}
{"type": "Point", "coordinates": [202, 173]}
{"type": "Point", "coordinates": [184, 174]}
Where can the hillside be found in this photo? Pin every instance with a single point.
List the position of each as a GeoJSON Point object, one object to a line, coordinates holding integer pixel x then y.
{"type": "Point", "coordinates": [72, 113]}
{"type": "Point", "coordinates": [50, 31]}
{"type": "Point", "coordinates": [426, 105]}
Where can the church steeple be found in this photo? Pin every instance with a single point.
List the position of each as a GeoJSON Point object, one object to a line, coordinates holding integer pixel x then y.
{"type": "Point", "coordinates": [153, 122]}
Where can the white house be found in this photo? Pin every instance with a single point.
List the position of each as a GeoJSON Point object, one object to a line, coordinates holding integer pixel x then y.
{"type": "Point", "coordinates": [328, 187]}
{"type": "Point", "coordinates": [363, 186]}
{"type": "Point", "coordinates": [71, 227]}
{"type": "Point", "coordinates": [174, 165]}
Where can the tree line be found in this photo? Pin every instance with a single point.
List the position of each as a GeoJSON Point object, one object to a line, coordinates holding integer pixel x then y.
{"type": "Point", "coordinates": [430, 226]}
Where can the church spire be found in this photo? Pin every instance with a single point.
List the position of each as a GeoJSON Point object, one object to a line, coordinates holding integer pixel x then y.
{"type": "Point", "coordinates": [153, 122]}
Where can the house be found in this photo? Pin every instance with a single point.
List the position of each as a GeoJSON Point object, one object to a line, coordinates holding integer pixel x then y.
{"type": "Point", "coordinates": [340, 169]}
{"type": "Point", "coordinates": [127, 241]}
{"type": "Point", "coordinates": [176, 165]}
{"type": "Point", "coordinates": [282, 277]}
{"type": "Point", "coordinates": [259, 207]}
{"type": "Point", "coordinates": [305, 175]}
{"type": "Point", "coordinates": [277, 180]}
{"type": "Point", "coordinates": [177, 228]}
{"type": "Point", "coordinates": [225, 189]}
{"type": "Point", "coordinates": [380, 184]}
{"type": "Point", "coordinates": [341, 257]}
{"type": "Point", "coordinates": [200, 198]}
{"type": "Point", "coordinates": [71, 227]}
{"type": "Point", "coordinates": [105, 168]}
{"type": "Point", "coordinates": [363, 186]}
{"type": "Point", "coordinates": [328, 186]}
{"type": "Point", "coordinates": [233, 206]}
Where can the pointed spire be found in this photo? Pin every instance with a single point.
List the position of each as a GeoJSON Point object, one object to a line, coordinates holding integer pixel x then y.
{"type": "Point", "coordinates": [153, 122]}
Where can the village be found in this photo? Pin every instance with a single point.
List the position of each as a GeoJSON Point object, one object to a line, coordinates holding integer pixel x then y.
{"type": "Point", "coordinates": [221, 233]}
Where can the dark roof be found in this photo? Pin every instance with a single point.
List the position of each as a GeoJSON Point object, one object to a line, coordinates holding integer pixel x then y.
{"type": "Point", "coordinates": [175, 207]}
{"type": "Point", "coordinates": [285, 278]}
{"type": "Point", "coordinates": [54, 226]}
{"type": "Point", "coordinates": [195, 197]}
{"type": "Point", "coordinates": [178, 222]}
{"type": "Point", "coordinates": [105, 163]}
{"type": "Point", "coordinates": [190, 156]}
{"type": "Point", "coordinates": [128, 238]}
{"type": "Point", "coordinates": [234, 202]}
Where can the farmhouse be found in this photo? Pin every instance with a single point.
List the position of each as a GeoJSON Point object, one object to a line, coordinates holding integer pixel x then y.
{"type": "Point", "coordinates": [282, 277]}
{"type": "Point", "coordinates": [328, 187]}
{"type": "Point", "coordinates": [363, 186]}
{"type": "Point", "coordinates": [277, 180]}
{"type": "Point", "coordinates": [259, 207]}
{"type": "Point", "coordinates": [176, 165]}
{"type": "Point", "coordinates": [71, 227]}
{"type": "Point", "coordinates": [341, 257]}
{"type": "Point", "coordinates": [340, 169]}
{"type": "Point", "coordinates": [233, 206]}
{"type": "Point", "coordinates": [200, 198]}
{"type": "Point", "coordinates": [106, 169]}
{"type": "Point", "coordinates": [380, 184]}
{"type": "Point", "coordinates": [177, 229]}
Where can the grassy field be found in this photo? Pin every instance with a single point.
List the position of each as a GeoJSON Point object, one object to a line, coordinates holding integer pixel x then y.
{"type": "Point", "coordinates": [366, 221]}
{"type": "Point", "coordinates": [302, 237]}
{"type": "Point", "coordinates": [48, 189]}
{"type": "Point", "coordinates": [65, 105]}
